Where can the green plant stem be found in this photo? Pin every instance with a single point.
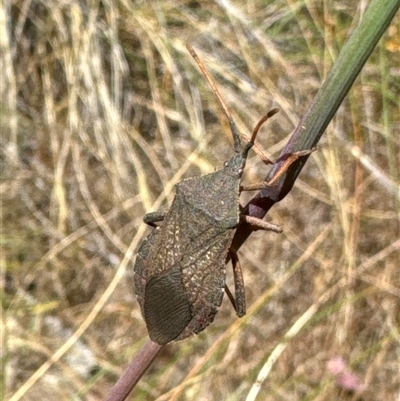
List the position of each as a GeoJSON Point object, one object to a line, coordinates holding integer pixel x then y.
{"type": "Point", "coordinates": [312, 125]}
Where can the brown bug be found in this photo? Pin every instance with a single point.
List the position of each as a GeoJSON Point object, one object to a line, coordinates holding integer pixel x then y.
{"type": "Point", "coordinates": [180, 272]}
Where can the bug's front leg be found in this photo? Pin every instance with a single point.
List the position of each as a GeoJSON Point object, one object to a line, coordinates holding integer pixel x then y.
{"type": "Point", "coordinates": [153, 217]}
{"type": "Point", "coordinates": [290, 159]}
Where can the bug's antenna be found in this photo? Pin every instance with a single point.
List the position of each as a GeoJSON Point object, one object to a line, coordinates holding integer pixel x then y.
{"type": "Point", "coordinates": [261, 122]}
{"type": "Point", "coordinates": [236, 136]}
{"type": "Point", "coordinates": [209, 79]}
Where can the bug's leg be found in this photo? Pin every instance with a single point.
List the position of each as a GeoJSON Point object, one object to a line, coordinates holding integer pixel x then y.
{"type": "Point", "coordinates": [283, 168]}
{"type": "Point", "coordinates": [260, 224]}
{"type": "Point", "coordinates": [240, 297]}
{"type": "Point", "coordinates": [239, 301]}
{"type": "Point", "coordinates": [153, 217]}
{"type": "Point", "coordinates": [264, 158]}
{"type": "Point", "coordinates": [230, 296]}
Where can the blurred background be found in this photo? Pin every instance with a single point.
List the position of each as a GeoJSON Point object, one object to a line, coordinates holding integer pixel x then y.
{"type": "Point", "coordinates": [103, 110]}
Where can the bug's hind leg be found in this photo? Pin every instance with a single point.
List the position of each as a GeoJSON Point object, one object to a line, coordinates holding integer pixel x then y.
{"type": "Point", "coordinates": [239, 301]}
{"type": "Point", "coordinates": [240, 297]}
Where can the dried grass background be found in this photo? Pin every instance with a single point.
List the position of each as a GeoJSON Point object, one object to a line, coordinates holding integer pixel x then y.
{"type": "Point", "coordinates": [103, 111]}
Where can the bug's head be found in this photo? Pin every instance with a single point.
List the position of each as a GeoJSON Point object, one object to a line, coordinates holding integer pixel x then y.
{"type": "Point", "coordinates": [235, 165]}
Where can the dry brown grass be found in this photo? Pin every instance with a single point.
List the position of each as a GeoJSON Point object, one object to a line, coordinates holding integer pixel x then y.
{"type": "Point", "coordinates": [103, 110]}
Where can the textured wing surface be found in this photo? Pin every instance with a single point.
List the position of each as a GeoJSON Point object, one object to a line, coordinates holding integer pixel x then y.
{"type": "Point", "coordinates": [166, 306]}
{"type": "Point", "coordinates": [180, 267]}
{"type": "Point", "coordinates": [203, 252]}
{"type": "Point", "coordinates": [203, 275]}
{"type": "Point", "coordinates": [142, 268]}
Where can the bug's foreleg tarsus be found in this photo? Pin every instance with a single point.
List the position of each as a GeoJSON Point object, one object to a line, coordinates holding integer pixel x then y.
{"type": "Point", "coordinates": [289, 160]}
{"type": "Point", "coordinates": [154, 217]}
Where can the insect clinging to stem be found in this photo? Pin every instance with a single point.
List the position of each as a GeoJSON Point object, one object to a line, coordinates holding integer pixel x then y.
{"type": "Point", "coordinates": [180, 272]}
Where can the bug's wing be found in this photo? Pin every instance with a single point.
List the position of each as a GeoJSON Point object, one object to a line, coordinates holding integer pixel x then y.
{"type": "Point", "coordinates": [180, 269]}
{"type": "Point", "coordinates": [166, 306]}
{"type": "Point", "coordinates": [159, 252]}
{"type": "Point", "coordinates": [141, 268]}
{"type": "Point", "coordinates": [203, 276]}
{"type": "Point", "coordinates": [158, 276]}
